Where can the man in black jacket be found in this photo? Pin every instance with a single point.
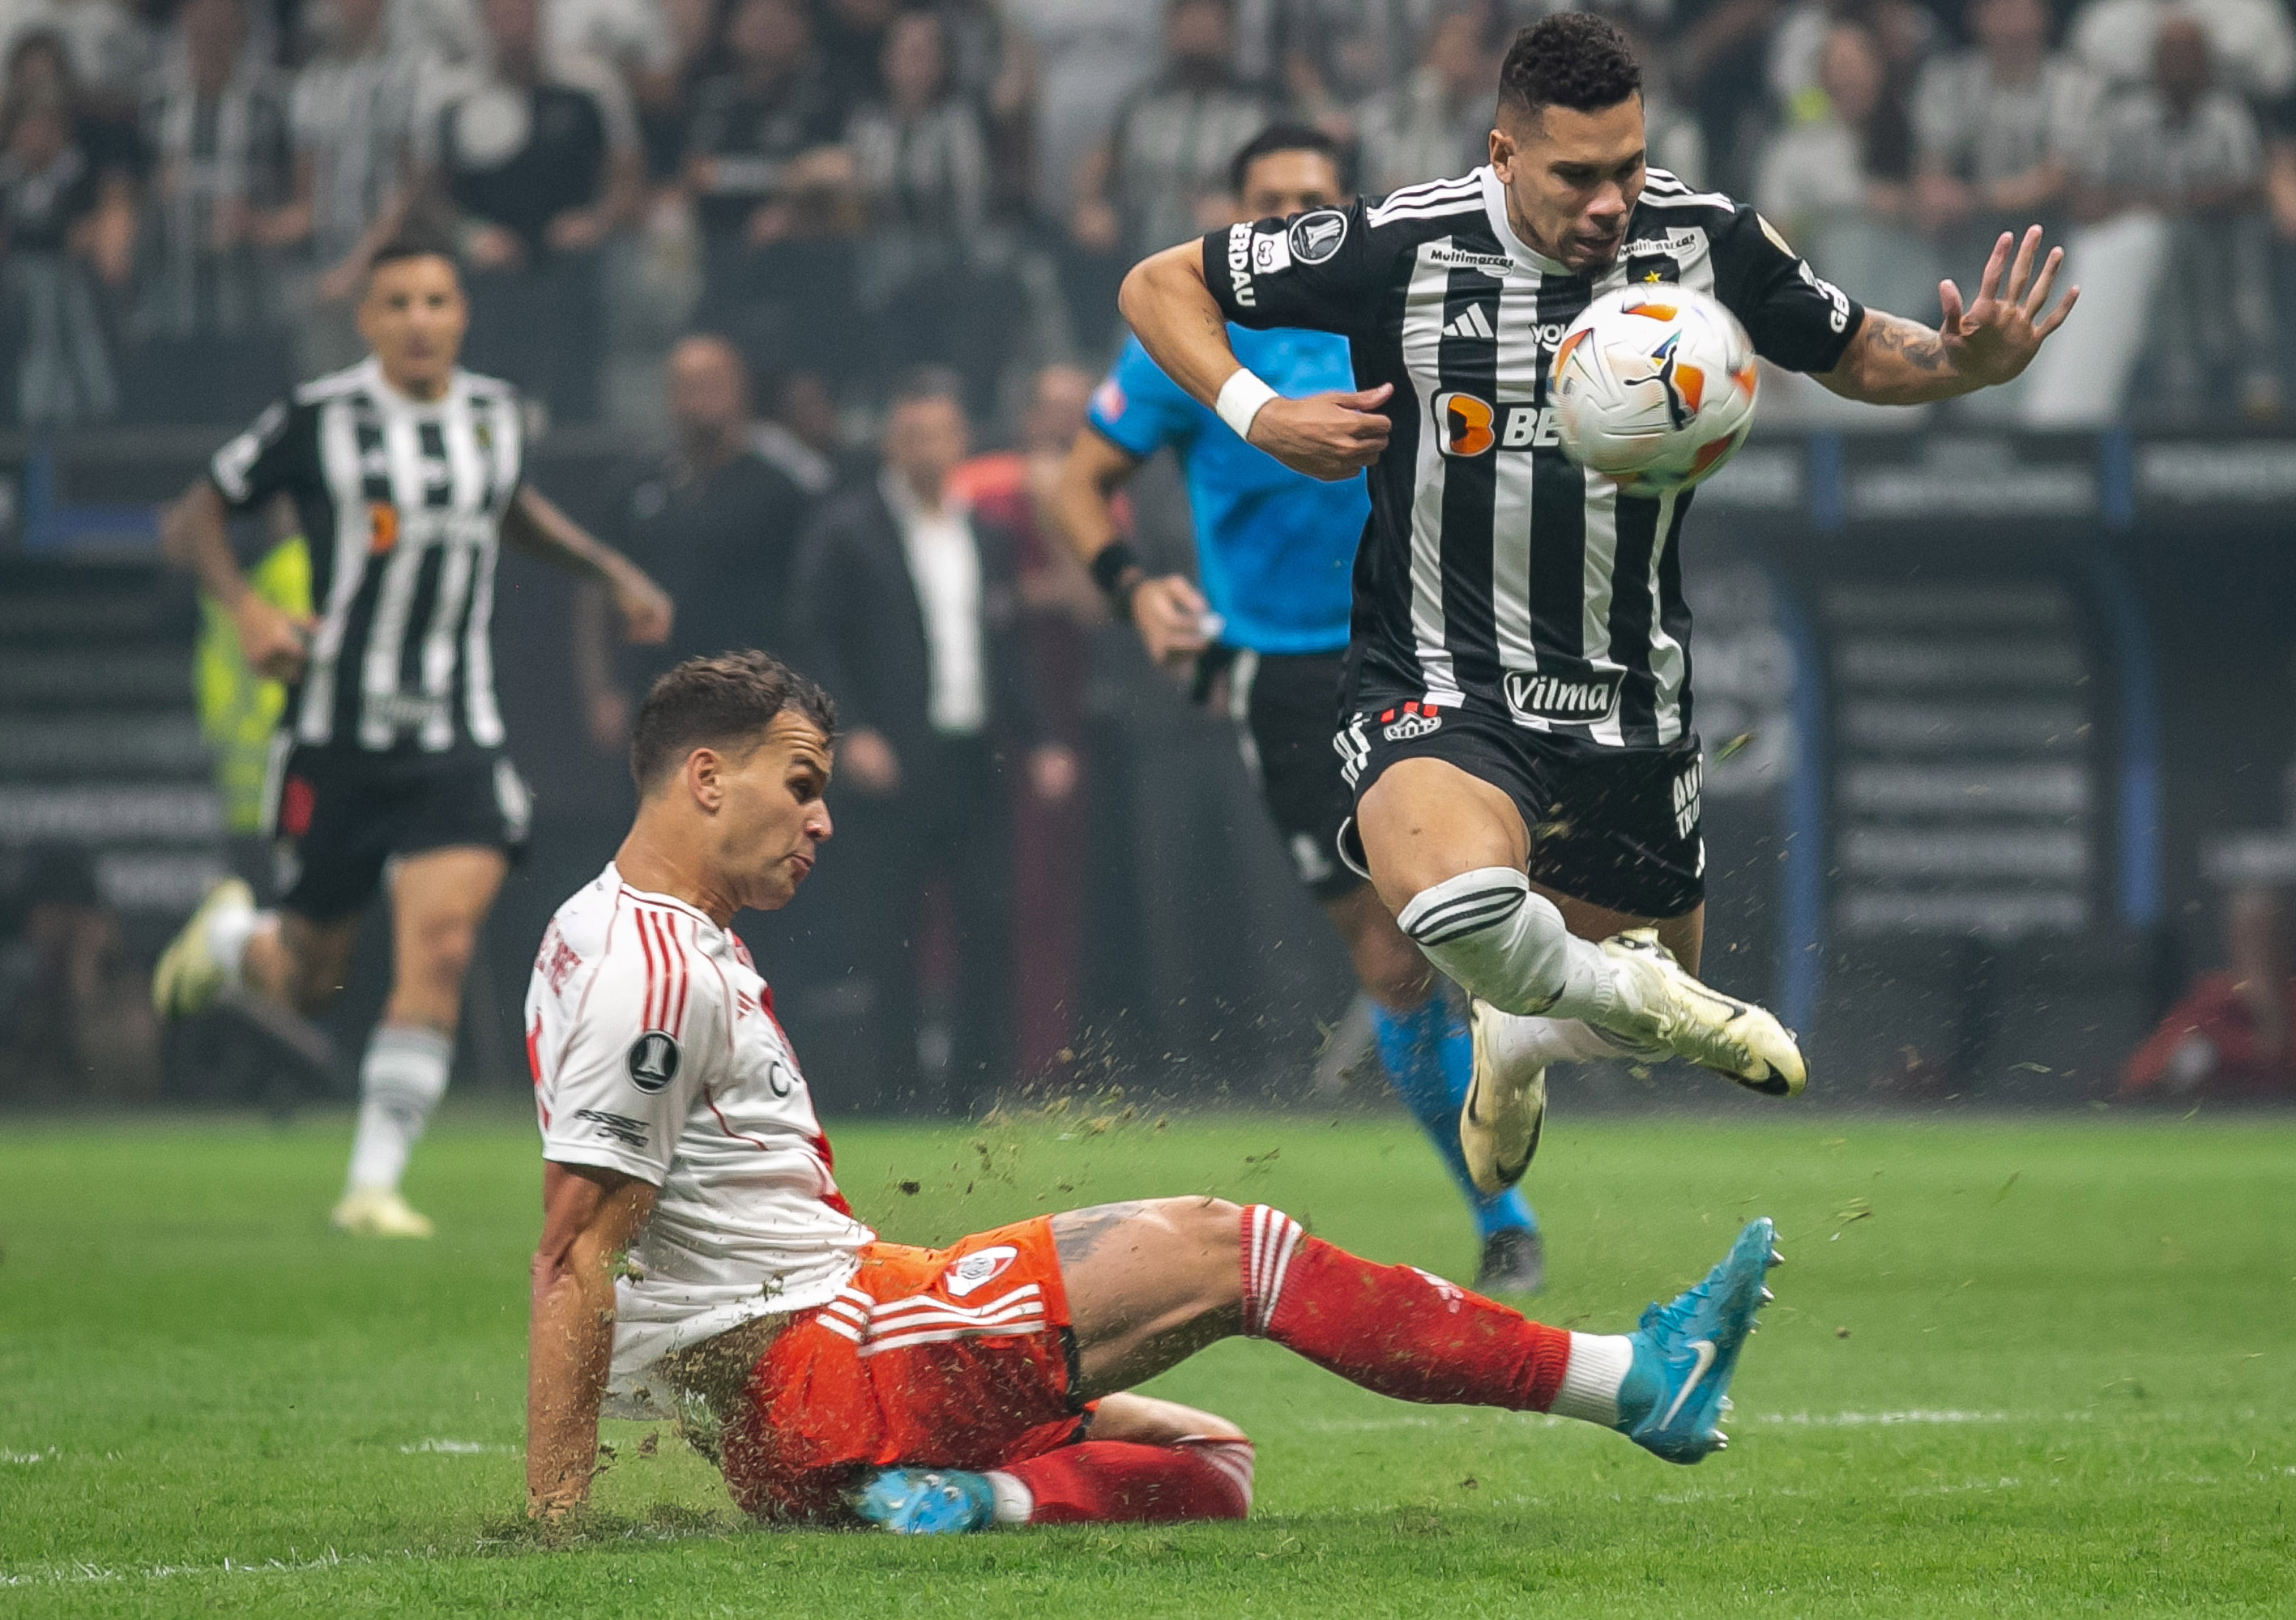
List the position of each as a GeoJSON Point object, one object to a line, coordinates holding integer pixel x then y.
{"type": "Point", "coordinates": [903, 606]}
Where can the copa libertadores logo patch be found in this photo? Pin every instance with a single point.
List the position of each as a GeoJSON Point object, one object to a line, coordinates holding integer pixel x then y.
{"type": "Point", "coordinates": [1317, 236]}
{"type": "Point", "coordinates": [653, 1061]}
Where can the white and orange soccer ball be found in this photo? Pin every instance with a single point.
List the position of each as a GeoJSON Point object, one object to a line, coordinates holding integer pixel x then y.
{"type": "Point", "coordinates": [1653, 387]}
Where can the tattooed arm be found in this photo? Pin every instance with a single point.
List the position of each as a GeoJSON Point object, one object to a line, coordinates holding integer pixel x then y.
{"type": "Point", "coordinates": [1894, 361]}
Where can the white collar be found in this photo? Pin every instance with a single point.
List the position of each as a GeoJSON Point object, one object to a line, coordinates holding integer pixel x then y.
{"type": "Point", "coordinates": [1495, 210]}
{"type": "Point", "coordinates": [909, 511]}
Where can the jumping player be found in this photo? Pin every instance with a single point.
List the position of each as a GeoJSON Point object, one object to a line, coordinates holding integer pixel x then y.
{"type": "Point", "coordinates": [1273, 548]}
{"type": "Point", "coordinates": [1517, 723]}
{"type": "Point", "coordinates": [407, 473]}
{"type": "Point", "coordinates": [695, 1241]}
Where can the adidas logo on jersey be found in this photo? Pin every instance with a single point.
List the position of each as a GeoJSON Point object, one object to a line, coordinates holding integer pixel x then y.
{"type": "Point", "coordinates": [1469, 322]}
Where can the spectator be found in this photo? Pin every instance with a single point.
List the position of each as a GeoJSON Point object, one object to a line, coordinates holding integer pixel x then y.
{"type": "Point", "coordinates": [105, 46]}
{"type": "Point", "coordinates": [713, 523]}
{"type": "Point", "coordinates": [2252, 42]}
{"type": "Point", "coordinates": [854, 35]}
{"type": "Point", "coordinates": [1437, 122]}
{"type": "Point", "coordinates": [800, 432]}
{"type": "Point", "coordinates": [1059, 602]}
{"type": "Point", "coordinates": [770, 182]}
{"type": "Point", "coordinates": [1088, 56]}
{"type": "Point", "coordinates": [215, 125]}
{"type": "Point", "coordinates": [1167, 155]}
{"type": "Point", "coordinates": [920, 165]}
{"type": "Point", "coordinates": [1330, 56]}
{"type": "Point", "coordinates": [51, 207]}
{"type": "Point", "coordinates": [352, 122]}
{"type": "Point", "coordinates": [1997, 127]}
{"type": "Point", "coordinates": [1839, 183]}
{"type": "Point", "coordinates": [1902, 33]}
{"type": "Point", "coordinates": [1717, 58]}
{"type": "Point", "coordinates": [2181, 162]}
{"type": "Point", "coordinates": [904, 605]}
{"type": "Point", "coordinates": [539, 160]}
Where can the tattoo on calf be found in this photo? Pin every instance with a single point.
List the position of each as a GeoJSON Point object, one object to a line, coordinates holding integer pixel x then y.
{"type": "Point", "coordinates": [1076, 1233]}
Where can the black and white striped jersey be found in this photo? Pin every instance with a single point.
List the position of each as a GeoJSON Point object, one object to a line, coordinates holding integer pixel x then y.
{"type": "Point", "coordinates": [1492, 566]}
{"type": "Point", "coordinates": [402, 503]}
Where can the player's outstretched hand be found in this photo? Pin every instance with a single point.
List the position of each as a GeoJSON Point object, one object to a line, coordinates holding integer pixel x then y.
{"type": "Point", "coordinates": [1997, 335]}
{"type": "Point", "coordinates": [276, 644]}
{"type": "Point", "coordinates": [1326, 436]}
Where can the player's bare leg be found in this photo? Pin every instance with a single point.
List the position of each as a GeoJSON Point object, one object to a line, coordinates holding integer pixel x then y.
{"type": "Point", "coordinates": [437, 900]}
{"type": "Point", "coordinates": [1151, 1283]}
{"type": "Point", "coordinates": [1448, 854]}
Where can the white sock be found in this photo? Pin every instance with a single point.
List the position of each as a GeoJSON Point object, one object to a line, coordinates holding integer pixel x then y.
{"type": "Point", "coordinates": [1487, 929]}
{"type": "Point", "coordinates": [1014, 1501]}
{"type": "Point", "coordinates": [1533, 1043]}
{"type": "Point", "coordinates": [229, 929]}
{"type": "Point", "coordinates": [400, 1082]}
{"type": "Point", "coordinates": [1593, 1376]}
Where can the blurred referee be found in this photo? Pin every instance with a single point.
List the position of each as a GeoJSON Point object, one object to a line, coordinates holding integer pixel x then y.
{"type": "Point", "coordinates": [407, 475]}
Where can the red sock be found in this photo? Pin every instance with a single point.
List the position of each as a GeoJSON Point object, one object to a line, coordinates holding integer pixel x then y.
{"type": "Point", "coordinates": [1392, 1328]}
{"type": "Point", "coordinates": [1109, 1482]}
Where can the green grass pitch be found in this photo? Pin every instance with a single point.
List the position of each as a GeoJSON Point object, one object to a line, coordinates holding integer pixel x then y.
{"type": "Point", "coordinates": [2014, 1367]}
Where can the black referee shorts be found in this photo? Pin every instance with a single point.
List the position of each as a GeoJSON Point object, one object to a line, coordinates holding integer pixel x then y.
{"type": "Point", "coordinates": [1617, 828]}
{"type": "Point", "coordinates": [340, 814]}
{"type": "Point", "coordinates": [1283, 706]}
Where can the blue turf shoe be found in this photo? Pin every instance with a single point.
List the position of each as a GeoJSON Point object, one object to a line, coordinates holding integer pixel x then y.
{"type": "Point", "coordinates": [1686, 1352]}
{"type": "Point", "coordinates": [926, 1502]}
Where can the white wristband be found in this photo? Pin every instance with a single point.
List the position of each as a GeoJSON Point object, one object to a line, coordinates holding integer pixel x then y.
{"type": "Point", "coordinates": [1240, 399]}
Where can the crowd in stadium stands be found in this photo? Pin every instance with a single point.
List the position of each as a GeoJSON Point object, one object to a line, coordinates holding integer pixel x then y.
{"type": "Point", "coordinates": [845, 188]}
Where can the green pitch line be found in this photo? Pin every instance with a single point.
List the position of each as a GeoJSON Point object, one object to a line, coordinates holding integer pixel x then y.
{"type": "Point", "coordinates": [2014, 1368]}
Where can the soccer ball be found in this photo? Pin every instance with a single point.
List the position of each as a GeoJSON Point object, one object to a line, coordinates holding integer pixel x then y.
{"type": "Point", "coordinates": [1653, 387]}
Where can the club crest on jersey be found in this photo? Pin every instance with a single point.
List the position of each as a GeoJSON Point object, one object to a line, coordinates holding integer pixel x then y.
{"type": "Point", "coordinates": [979, 1268]}
{"type": "Point", "coordinates": [1317, 236]}
{"type": "Point", "coordinates": [653, 1061]}
{"type": "Point", "coordinates": [1574, 700]}
{"type": "Point", "coordinates": [1413, 719]}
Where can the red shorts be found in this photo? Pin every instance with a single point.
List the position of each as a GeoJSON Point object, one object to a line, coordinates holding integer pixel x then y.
{"type": "Point", "coordinates": [956, 1357]}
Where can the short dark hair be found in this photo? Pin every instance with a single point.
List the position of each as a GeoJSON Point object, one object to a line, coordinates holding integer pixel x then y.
{"type": "Point", "coordinates": [1571, 59]}
{"type": "Point", "coordinates": [719, 703]}
{"type": "Point", "coordinates": [1287, 137]}
{"type": "Point", "coordinates": [410, 245]}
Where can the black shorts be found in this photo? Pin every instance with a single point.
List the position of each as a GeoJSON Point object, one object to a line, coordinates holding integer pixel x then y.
{"type": "Point", "coordinates": [339, 815]}
{"type": "Point", "coordinates": [1283, 705]}
{"type": "Point", "coordinates": [1617, 828]}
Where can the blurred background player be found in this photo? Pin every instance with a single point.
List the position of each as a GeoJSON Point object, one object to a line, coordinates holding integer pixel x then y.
{"type": "Point", "coordinates": [405, 473]}
{"type": "Point", "coordinates": [1276, 550]}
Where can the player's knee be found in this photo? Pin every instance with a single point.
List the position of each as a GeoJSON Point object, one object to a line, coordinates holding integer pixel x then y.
{"type": "Point", "coordinates": [441, 952]}
{"type": "Point", "coordinates": [1211, 1233]}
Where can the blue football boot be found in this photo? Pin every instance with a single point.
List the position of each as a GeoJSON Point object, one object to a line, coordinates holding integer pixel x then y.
{"type": "Point", "coordinates": [1686, 1352]}
{"type": "Point", "coordinates": [925, 1502]}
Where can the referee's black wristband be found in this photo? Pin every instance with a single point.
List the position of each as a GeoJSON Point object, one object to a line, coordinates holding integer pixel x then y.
{"type": "Point", "coordinates": [1117, 571]}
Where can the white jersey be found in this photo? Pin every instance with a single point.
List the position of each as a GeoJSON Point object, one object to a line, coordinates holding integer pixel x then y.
{"type": "Point", "coordinates": [655, 1053]}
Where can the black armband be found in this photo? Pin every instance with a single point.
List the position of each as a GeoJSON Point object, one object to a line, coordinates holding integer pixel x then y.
{"type": "Point", "coordinates": [1117, 571]}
